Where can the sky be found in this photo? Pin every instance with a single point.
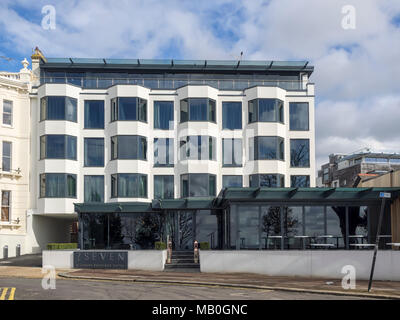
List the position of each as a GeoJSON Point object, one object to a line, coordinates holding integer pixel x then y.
{"type": "Point", "coordinates": [356, 61]}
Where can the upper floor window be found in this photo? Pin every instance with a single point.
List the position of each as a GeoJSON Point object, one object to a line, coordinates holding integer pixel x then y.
{"type": "Point", "coordinates": [94, 114]}
{"type": "Point", "coordinates": [266, 148]}
{"type": "Point", "coordinates": [58, 108]}
{"type": "Point", "coordinates": [129, 185]}
{"type": "Point", "coordinates": [164, 187]}
{"type": "Point", "coordinates": [5, 206]}
{"type": "Point", "coordinates": [129, 147]}
{"type": "Point", "coordinates": [198, 109]}
{"type": "Point", "coordinates": [300, 153]}
{"type": "Point", "coordinates": [198, 185]}
{"type": "Point", "coordinates": [231, 115]}
{"type": "Point", "coordinates": [94, 188]}
{"type": "Point", "coordinates": [267, 180]}
{"type": "Point", "coordinates": [164, 115]}
{"type": "Point", "coordinates": [232, 181]}
{"type": "Point", "coordinates": [231, 152]}
{"type": "Point", "coordinates": [57, 185]}
{"type": "Point", "coordinates": [6, 163]}
{"type": "Point", "coordinates": [94, 152]}
{"type": "Point", "coordinates": [128, 109]}
{"type": "Point", "coordinates": [58, 146]}
{"type": "Point", "coordinates": [298, 181]}
{"type": "Point", "coordinates": [299, 116]}
{"type": "Point", "coordinates": [198, 148]}
{"type": "Point", "coordinates": [7, 112]}
{"type": "Point", "coordinates": [163, 152]}
{"type": "Point", "coordinates": [266, 110]}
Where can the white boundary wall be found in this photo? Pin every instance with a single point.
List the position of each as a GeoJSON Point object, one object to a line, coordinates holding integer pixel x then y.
{"type": "Point", "coordinates": [307, 263]}
{"type": "Point", "coordinates": [152, 260]}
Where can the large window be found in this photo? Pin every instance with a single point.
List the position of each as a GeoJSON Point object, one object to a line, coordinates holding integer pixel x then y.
{"type": "Point", "coordinates": [94, 152]}
{"type": "Point", "coordinates": [249, 222]}
{"type": "Point", "coordinates": [232, 181]}
{"type": "Point", "coordinates": [129, 147]}
{"type": "Point", "coordinates": [164, 115]}
{"type": "Point", "coordinates": [267, 148]}
{"type": "Point", "coordinates": [163, 187]}
{"type": "Point", "coordinates": [57, 147]}
{"type": "Point", "coordinates": [5, 206]}
{"type": "Point", "coordinates": [128, 109]}
{"type": "Point", "coordinates": [298, 181]}
{"type": "Point", "coordinates": [94, 114]}
{"type": "Point", "coordinates": [198, 185]}
{"type": "Point", "coordinates": [7, 112]}
{"type": "Point", "coordinates": [267, 180]}
{"type": "Point", "coordinates": [57, 185]}
{"type": "Point", "coordinates": [58, 108]}
{"type": "Point", "coordinates": [94, 188]}
{"type": "Point", "coordinates": [300, 153]}
{"type": "Point", "coordinates": [231, 115]}
{"type": "Point", "coordinates": [232, 152]}
{"type": "Point", "coordinates": [198, 109]}
{"type": "Point", "coordinates": [298, 114]}
{"type": "Point", "coordinates": [7, 162]}
{"type": "Point", "coordinates": [128, 185]}
{"type": "Point", "coordinates": [266, 110]}
{"type": "Point", "coordinates": [163, 152]}
{"type": "Point", "coordinates": [314, 221]}
{"type": "Point", "coordinates": [198, 148]}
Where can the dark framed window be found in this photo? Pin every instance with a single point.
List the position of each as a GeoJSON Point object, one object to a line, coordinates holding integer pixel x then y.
{"type": "Point", "coordinates": [128, 109]}
{"type": "Point", "coordinates": [267, 180]}
{"type": "Point", "coordinates": [129, 147]}
{"type": "Point", "coordinates": [298, 181]}
{"type": "Point", "coordinates": [232, 181]}
{"type": "Point", "coordinates": [265, 110]}
{"type": "Point", "coordinates": [198, 109]}
{"type": "Point", "coordinates": [198, 185]}
{"type": "Point", "coordinates": [164, 115]}
{"type": "Point", "coordinates": [6, 157]}
{"type": "Point", "coordinates": [94, 188]}
{"type": "Point", "coordinates": [129, 185]}
{"type": "Point", "coordinates": [267, 148]}
{"type": "Point", "coordinates": [299, 116]}
{"type": "Point", "coordinates": [58, 108]}
{"type": "Point", "coordinates": [54, 146]}
{"type": "Point", "coordinates": [5, 206]}
{"type": "Point", "coordinates": [57, 185]}
{"type": "Point", "coordinates": [231, 115]}
{"type": "Point", "coordinates": [231, 152]}
{"type": "Point", "coordinates": [7, 112]}
{"type": "Point", "coordinates": [300, 153]}
{"type": "Point", "coordinates": [198, 148]}
{"type": "Point", "coordinates": [164, 187]}
{"type": "Point", "coordinates": [94, 152]}
{"type": "Point", "coordinates": [163, 152]}
{"type": "Point", "coordinates": [94, 114]}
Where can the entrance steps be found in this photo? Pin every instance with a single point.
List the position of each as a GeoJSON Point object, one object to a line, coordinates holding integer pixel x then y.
{"type": "Point", "coordinates": [182, 261]}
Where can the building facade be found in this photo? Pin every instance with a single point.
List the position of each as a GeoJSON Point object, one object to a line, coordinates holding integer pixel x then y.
{"type": "Point", "coordinates": [346, 170]}
{"type": "Point", "coordinates": [15, 166]}
{"type": "Point", "coordinates": [116, 131]}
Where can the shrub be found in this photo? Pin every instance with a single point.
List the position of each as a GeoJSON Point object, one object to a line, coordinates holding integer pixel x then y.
{"type": "Point", "coordinates": [159, 245]}
{"type": "Point", "coordinates": [204, 246]}
{"type": "Point", "coordinates": [61, 246]}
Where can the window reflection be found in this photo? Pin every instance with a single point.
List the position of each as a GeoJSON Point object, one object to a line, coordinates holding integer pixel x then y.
{"type": "Point", "coordinates": [248, 227]}
{"type": "Point", "coordinates": [271, 227]}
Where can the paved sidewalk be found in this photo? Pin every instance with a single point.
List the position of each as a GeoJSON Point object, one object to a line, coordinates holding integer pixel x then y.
{"type": "Point", "coordinates": [382, 289]}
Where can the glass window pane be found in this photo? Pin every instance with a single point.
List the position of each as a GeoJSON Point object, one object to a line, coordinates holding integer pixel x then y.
{"type": "Point", "coordinates": [184, 185]}
{"type": "Point", "coordinates": [207, 228]}
{"type": "Point", "coordinates": [232, 152]}
{"type": "Point", "coordinates": [232, 181]}
{"type": "Point", "coordinates": [199, 185]}
{"type": "Point", "coordinates": [293, 226]}
{"type": "Point", "coordinates": [55, 108]}
{"type": "Point", "coordinates": [94, 152]}
{"type": "Point", "coordinates": [267, 110]}
{"type": "Point", "coordinates": [163, 152]}
{"type": "Point", "coordinates": [299, 181]}
{"type": "Point", "coordinates": [6, 163]}
{"type": "Point", "coordinates": [299, 116]}
{"type": "Point", "coordinates": [163, 187]}
{"type": "Point", "coordinates": [142, 109]}
{"type": "Point", "coordinates": [314, 221]}
{"type": "Point", "coordinates": [336, 225]}
{"type": "Point", "coordinates": [55, 147]}
{"type": "Point", "coordinates": [299, 152]}
{"type": "Point", "coordinates": [231, 115]}
{"type": "Point", "coordinates": [249, 227]}
{"type": "Point", "coordinates": [7, 112]}
{"type": "Point", "coordinates": [127, 108]}
{"type": "Point", "coordinates": [127, 185]}
{"type": "Point", "coordinates": [252, 111]}
{"type": "Point", "coordinates": [94, 188]}
{"type": "Point", "coordinates": [163, 115]}
{"type": "Point", "coordinates": [94, 114]}
{"type": "Point", "coordinates": [211, 185]}
{"type": "Point", "coordinates": [198, 109]}
{"type": "Point", "coordinates": [184, 110]}
{"type": "Point", "coordinates": [70, 109]}
{"type": "Point", "coordinates": [127, 147]}
{"type": "Point", "coordinates": [212, 111]}
{"type": "Point", "coordinates": [267, 148]}
{"type": "Point", "coordinates": [270, 227]}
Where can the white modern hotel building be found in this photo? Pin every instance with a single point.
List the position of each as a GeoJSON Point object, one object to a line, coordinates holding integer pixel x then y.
{"type": "Point", "coordinates": [133, 130]}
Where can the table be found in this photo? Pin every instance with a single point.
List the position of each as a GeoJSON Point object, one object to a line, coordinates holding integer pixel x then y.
{"type": "Point", "coordinates": [329, 236]}
{"type": "Point", "coordinates": [322, 245]}
{"type": "Point", "coordinates": [394, 244]}
{"type": "Point", "coordinates": [362, 245]}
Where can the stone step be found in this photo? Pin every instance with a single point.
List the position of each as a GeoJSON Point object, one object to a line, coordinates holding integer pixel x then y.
{"type": "Point", "coordinates": [181, 265]}
{"type": "Point", "coordinates": [186, 270]}
{"type": "Point", "coordinates": [182, 260]}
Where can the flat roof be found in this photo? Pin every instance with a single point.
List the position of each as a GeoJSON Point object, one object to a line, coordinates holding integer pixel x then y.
{"type": "Point", "coordinates": [176, 64]}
